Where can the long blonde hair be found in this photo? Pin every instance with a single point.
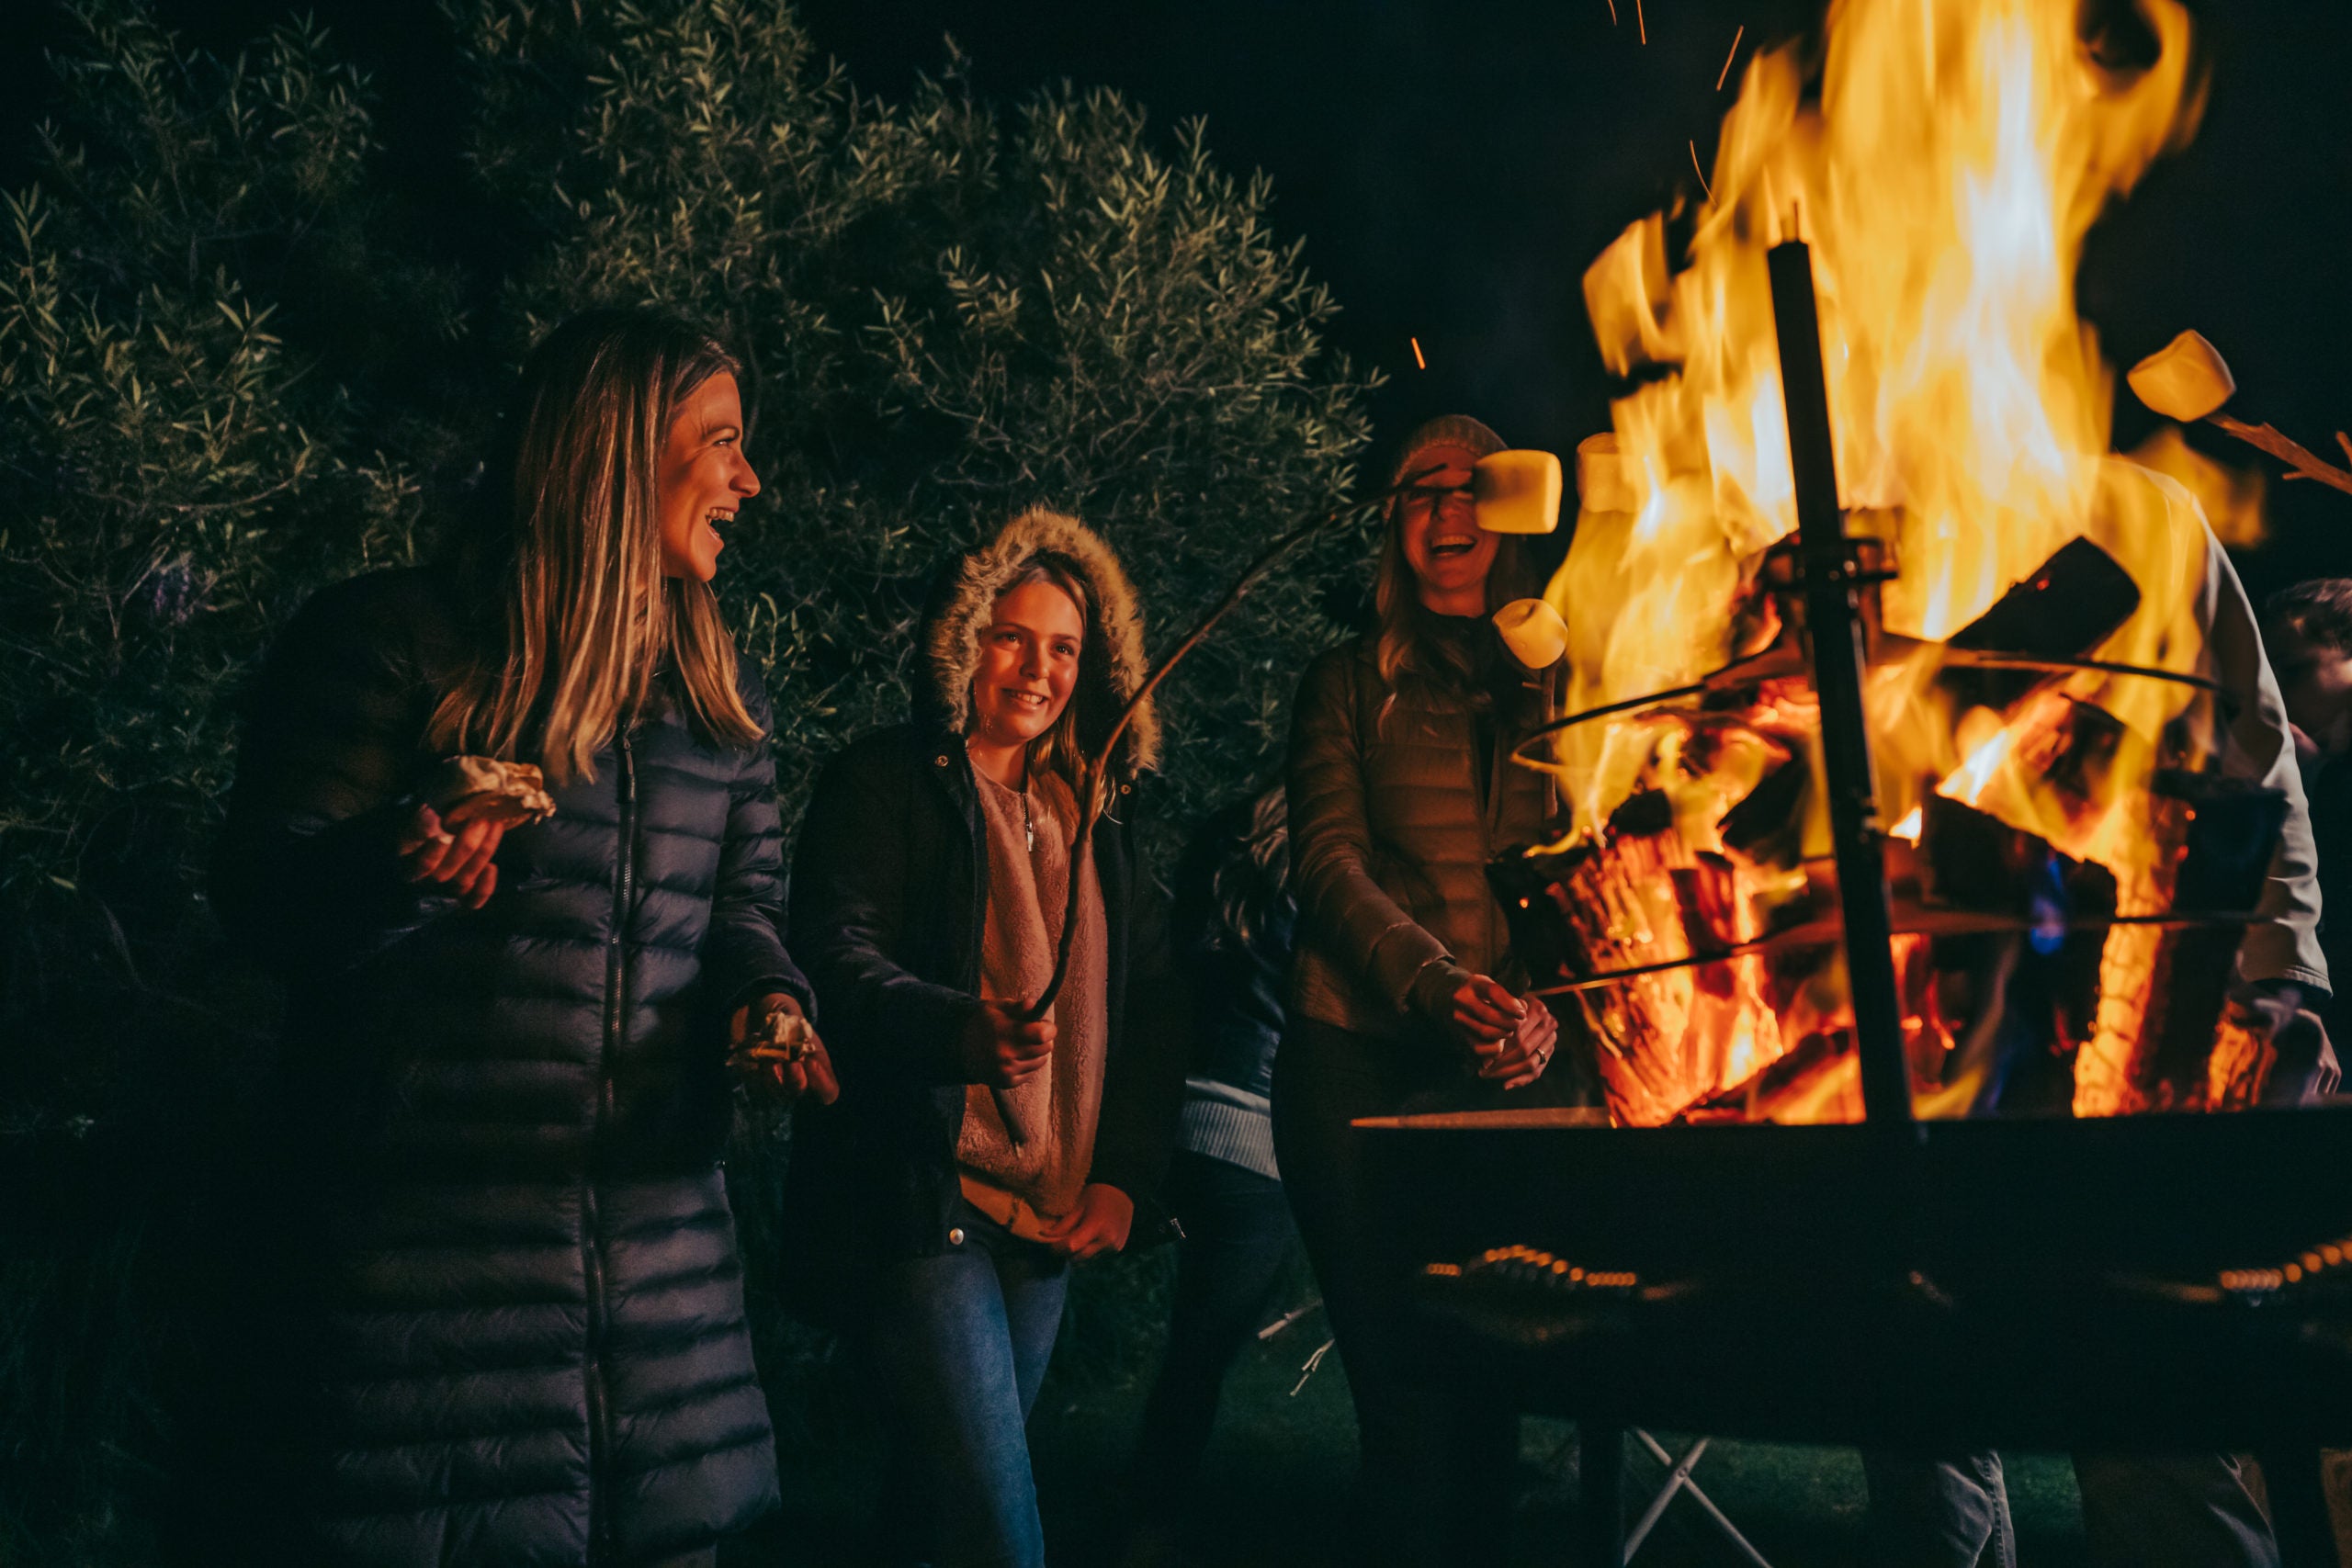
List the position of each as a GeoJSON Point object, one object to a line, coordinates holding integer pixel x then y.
{"type": "Point", "coordinates": [574, 614]}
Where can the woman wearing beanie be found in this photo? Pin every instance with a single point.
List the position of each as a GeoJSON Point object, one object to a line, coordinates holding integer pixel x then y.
{"type": "Point", "coordinates": [1402, 992]}
{"type": "Point", "coordinates": [928, 891]}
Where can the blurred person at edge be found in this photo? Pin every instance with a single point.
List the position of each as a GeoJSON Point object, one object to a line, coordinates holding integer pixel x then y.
{"type": "Point", "coordinates": [1403, 988]}
{"type": "Point", "coordinates": [2175, 1511]}
{"type": "Point", "coordinates": [1235, 916]}
{"type": "Point", "coordinates": [516, 1310]}
{"type": "Point", "coordinates": [930, 883]}
{"type": "Point", "coordinates": [2307, 630]}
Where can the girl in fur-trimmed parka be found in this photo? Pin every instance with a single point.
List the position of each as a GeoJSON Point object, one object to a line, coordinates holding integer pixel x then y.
{"type": "Point", "coordinates": [513, 1321]}
{"type": "Point", "coordinates": [929, 888]}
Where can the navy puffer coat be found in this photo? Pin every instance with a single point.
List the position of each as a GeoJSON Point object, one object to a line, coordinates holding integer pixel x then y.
{"type": "Point", "coordinates": [520, 1336]}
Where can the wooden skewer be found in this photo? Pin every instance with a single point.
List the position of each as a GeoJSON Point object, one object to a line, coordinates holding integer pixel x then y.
{"type": "Point", "coordinates": [2288, 452]}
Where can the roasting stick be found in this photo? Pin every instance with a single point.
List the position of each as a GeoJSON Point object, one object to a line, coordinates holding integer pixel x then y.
{"type": "Point", "coordinates": [2189, 380]}
{"type": "Point", "coordinates": [2291, 453]}
{"type": "Point", "coordinates": [1097, 766]}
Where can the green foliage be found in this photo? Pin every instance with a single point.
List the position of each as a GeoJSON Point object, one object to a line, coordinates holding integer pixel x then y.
{"type": "Point", "coordinates": [948, 314]}
{"type": "Point", "coordinates": [236, 364]}
{"type": "Point", "coordinates": [171, 477]}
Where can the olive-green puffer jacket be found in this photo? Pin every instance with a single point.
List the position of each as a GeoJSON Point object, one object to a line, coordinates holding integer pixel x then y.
{"type": "Point", "coordinates": [1390, 840]}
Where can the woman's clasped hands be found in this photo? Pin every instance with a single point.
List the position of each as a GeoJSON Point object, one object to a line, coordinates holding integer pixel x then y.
{"type": "Point", "coordinates": [1513, 1037]}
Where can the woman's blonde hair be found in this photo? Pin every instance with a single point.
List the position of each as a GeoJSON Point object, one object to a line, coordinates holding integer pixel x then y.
{"type": "Point", "coordinates": [574, 614]}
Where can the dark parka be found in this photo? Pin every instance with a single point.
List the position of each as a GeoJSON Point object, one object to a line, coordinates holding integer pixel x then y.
{"type": "Point", "coordinates": [890, 884]}
{"type": "Point", "coordinates": [521, 1337]}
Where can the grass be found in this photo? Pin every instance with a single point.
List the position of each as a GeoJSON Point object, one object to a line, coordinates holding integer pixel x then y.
{"type": "Point", "coordinates": [1275, 1490]}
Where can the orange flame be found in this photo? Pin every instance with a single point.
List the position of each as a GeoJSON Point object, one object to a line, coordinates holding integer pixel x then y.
{"type": "Point", "coordinates": [1959, 153]}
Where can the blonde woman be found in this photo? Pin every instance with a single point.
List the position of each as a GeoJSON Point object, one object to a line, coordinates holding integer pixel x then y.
{"type": "Point", "coordinates": [520, 1333]}
{"type": "Point", "coordinates": [1403, 990]}
{"type": "Point", "coordinates": [930, 885]}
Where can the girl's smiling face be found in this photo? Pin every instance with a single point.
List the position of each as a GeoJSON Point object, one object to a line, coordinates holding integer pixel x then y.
{"type": "Point", "coordinates": [1437, 526]}
{"type": "Point", "coordinates": [1029, 654]}
{"type": "Point", "coordinates": [705, 479]}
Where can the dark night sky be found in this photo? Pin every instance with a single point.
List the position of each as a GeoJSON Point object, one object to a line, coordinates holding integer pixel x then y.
{"type": "Point", "coordinates": [1455, 166]}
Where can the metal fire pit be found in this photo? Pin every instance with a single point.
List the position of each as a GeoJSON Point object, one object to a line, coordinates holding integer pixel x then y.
{"type": "Point", "coordinates": [2041, 1283]}
{"type": "Point", "coordinates": [2159, 1281]}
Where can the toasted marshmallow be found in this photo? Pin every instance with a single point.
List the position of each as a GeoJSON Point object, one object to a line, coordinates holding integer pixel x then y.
{"type": "Point", "coordinates": [1517, 491]}
{"type": "Point", "coordinates": [1534, 632]}
{"type": "Point", "coordinates": [2186, 379]}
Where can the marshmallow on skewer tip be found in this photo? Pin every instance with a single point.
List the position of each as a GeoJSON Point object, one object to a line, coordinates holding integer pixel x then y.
{"type": "Point", "coordinates": [1517, 491]}
{"type": "Point", "coordinates": [1534, 632]}
{"type": "Point", "coordinates": [2186, 379]}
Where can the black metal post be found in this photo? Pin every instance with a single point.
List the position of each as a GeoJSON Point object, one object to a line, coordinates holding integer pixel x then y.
{"type": "Point", "coordinates": [1600, 1481]}
{"type": "Point", "coordinates": [1833, 623]}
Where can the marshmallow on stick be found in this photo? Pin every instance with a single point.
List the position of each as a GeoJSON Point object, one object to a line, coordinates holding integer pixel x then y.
{"type": "Point", "coordinates": [1517, 491]}
{"type": "Point", "coordinates": [1534, 632]}
{"type": "Point", "coordinates": [2188, 380]}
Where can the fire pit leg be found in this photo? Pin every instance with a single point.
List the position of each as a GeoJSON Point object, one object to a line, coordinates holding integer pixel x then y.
{"type": "Point", "coordinates": [1834, 628]}
{"type": "Point", "coordinates": [2299, 1508]}
{"type": "Point", "coordinates": [1600, 1509]}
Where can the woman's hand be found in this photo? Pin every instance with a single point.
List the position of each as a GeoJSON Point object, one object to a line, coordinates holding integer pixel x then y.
{"type": "Point", "coordinates": [1520, 1058]}
{"type": "Point", "coordinates": [1099, 1224]}
{"type": "Point", "coordinates": [1000, 1049]}
{"type": "Point", "coordinates": [456, 849]}
{"type": "Point", "coordinates": [1484, 1012]}
{"type": "Point", "coordinates": [772, 1076]}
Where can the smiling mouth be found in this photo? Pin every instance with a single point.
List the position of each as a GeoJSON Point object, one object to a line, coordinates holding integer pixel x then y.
{"type": "Point", "coordinates": [717, 517]}
{"type": "Point", "coordinates": [1028, 702]}
{"type": "Point", "coordinates": [1453, 544]}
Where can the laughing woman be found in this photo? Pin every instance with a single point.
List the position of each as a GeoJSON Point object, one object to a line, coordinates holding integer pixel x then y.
{"type": "Point", "coordinates": [928, 891]}
{"type": "Point", "coordinates": [1402, 991]}
{"type": "Point", "coordinates": [519, 1328]}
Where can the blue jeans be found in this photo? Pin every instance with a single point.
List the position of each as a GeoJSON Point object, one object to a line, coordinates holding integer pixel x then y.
{"type": "Point", "coordinates": [958, 1344]}
{"type": "Point", "coordinates": [1237, 1235]}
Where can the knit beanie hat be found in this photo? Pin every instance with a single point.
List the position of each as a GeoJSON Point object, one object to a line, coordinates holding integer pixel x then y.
{"type": "Point", "coordinates": [1446, 429]}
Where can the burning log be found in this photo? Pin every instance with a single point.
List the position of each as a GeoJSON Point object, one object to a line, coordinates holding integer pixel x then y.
{"type": "Point", "coordinates": [1638, 896]}
{"type": "Point", "coordinates": [2064, 611]}
{"type": "Point", "coordinates": [2162, 1043]}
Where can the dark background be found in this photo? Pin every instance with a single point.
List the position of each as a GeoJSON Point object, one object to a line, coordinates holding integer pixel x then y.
{"type": "Point", "coordinates": [1453, 167]}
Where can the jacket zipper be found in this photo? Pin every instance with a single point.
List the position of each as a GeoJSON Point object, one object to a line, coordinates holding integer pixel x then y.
{"type": "Point", "coordinates": [600, 1524]}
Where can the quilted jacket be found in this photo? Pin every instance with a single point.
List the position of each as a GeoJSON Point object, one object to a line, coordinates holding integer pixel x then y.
{"type": "Point", "coordinates": [1389, 842]}
{"type": "Point", "coordinates": [521, 1338]}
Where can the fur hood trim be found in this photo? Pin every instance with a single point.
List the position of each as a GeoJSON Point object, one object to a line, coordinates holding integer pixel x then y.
{"type": "Point", "coordinates": [1112, 666]}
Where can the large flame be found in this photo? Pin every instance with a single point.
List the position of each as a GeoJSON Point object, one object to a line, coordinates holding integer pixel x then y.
{"type": "Point", "coordinates": [1956, 155]}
